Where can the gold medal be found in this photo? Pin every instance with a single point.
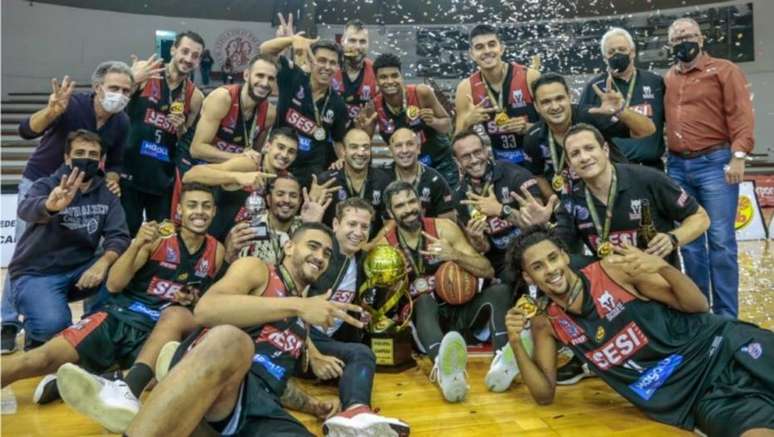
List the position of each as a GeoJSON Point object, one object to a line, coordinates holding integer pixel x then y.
{"type": "Point", "coordinates": [319, 134]}
{"type": "Point", "coordinates": [528, 306]}
{"type": "Point", "coordinates": [421, 285]}
{"type": "Point", "coordinates": [557, 183]}
{"type": "Point", "coordinates": [166, 229]}
{"type": "Point", "coordinates": [177, 107]}
{"type": "Point", "coordinates": [412, 112]}
{"type": "Point", "coordinates": [604, 249]}
{"type": "Point", "coordinates": [501, 118]}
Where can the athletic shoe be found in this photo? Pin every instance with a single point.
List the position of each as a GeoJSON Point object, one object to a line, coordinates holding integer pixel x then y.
{"type": "Point", "coordinates": [502, 370]}
{"type": "Point", "coordinates": [8, 339]}
{"type": "Point", "coordinates": [46, 391]}
{"type": "Point", "coordinates": [361, 421]}
{"type": "Point", "coordinates": [572, 372]}
{"type": "Point", "coordinates": [164, 360]}
{"type": "Point", "coordinates": [449, 368]}
{"type": "Point", "coordinates": [110, 403]}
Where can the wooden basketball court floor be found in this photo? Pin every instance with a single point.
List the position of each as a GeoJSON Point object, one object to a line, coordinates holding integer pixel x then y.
{"type": "Point", "coordinates": [587, 409]}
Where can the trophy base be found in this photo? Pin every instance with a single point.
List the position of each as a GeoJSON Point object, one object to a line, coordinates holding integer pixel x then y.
{"type": "Point", "coordinates": [392, 351]}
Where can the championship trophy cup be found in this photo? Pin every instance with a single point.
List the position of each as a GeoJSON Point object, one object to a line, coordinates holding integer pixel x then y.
{"type": "Point", "coordinates": [385, 298]}
{"type": "Point", "coordinates": [255, 207]}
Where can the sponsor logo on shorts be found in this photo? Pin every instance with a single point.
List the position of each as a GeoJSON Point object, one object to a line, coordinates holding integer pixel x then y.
{"type": "Point", "coordinates": [755, 350]}
{"type": "Point", "coordinates": [715, 343]}
{"type": "Point", "coordinates": [653, 378]}
{"type": "Point", "coordinates": [618, 349]}
{"type": "Point", "coordinates": [274, 369]}
{"type": "Point", "coordinates": [139, 308]}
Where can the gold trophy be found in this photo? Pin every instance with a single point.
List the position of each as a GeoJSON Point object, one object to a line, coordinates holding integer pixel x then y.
{"type": "Point", "coordinates": [385, 298]}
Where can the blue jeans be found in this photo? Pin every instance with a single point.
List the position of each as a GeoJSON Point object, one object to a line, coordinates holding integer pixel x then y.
{"type": "Point", "coordinates": [9, 314]}
{"type": "Point", "coordinates": [356, 383]}
{"type": "Point", "coordinates": [43, 301]}
{"type": "Point", "coordinates": [711, 260]}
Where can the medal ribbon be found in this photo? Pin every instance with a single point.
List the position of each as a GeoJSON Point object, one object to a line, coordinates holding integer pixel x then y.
{"type": "Point", "coordinates": [558, 162]}
{"type": "Point", "coordinates": [603, 231]}
{"type": "Point", "coordinates": [317, 116]}
{"type": "Point", "coordinates": [500, 106]}
{"type": "Point", "coordinates": [630, 92]}
{"type": "Point", "coordinates": [417, 266]}
{"type": "Point", "coordinates": [351, 186]}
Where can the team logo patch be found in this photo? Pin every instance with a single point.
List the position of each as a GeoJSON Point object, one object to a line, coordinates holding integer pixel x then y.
{"type": "Point", "coordinates": [518, 99]}
{"type": "Point", "coordinates": [202, 267]}
{"type": "Point", "coordinates": [647, 93]}
{"type": "Point", "coordinates": [300, 93]}
{"type": "Point", "coordinates": [635, 209]}
{"type": "Point", "coordinates": [608, 306]}
{"type": "Point", "coordinates": [376, 197]}
{"type": "Point", "coordinates": [505, 195]}
{"type": "Point", "coordinates": [425, 194]}
{"type": "Point", "coordinates": [328, 117]}
{"type": "Point", "coordinates": [581, 212]}
{"type": "Point", "coordinates": [755, 350]}
{"type": "Point", "coordinates": [366, 92]}
{"type": "Point", "coordinates": [342, 195]}
{"type": "Point", "coordinates": [600, 334]}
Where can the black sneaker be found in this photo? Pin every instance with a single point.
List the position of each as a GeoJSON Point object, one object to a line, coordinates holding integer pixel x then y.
{"type": "Point", "coordinates": [572, 372]}
{"type": "Point", "coordinates": [46, 391]}
{"type": "Point", "coordinates": [8, 339]}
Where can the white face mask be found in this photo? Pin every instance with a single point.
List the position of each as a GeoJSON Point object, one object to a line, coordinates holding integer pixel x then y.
{"type": "Point", "coordinates": [114, 102]}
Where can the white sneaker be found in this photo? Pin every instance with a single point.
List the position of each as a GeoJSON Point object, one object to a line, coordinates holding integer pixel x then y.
{"type": "Point", "coordinates": [502, 370]}
{"type": "Point", "coordinates": [449, 368]}
{"type": "Point", "coordinates": [110, 403]}
{"type": "Point", "coordinates": [164, 360]}
{"type": "Point", "coordinates": [361, 421]}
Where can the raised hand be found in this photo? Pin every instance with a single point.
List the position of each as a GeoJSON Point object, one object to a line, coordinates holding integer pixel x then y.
{"type": "Point", "coordinates": [320, 192]}
{"type": "Point", "coordinates": [516, 125]}
{"type": "Point", "coordinates": [253, 179]}
{"type": "Point", "coordinates": [150, 68]}
{"type": "Point", "coordinates": [531, 210]}
{"type": "Point", "coordinates": [60, 96]}
{"type": "Point", "coordinates": [489, 205]}
{"type": "Point", "coordinates": [320, 311]}
{"type": "Point", "coordinates": [285, 27]}
{"type": "Point", "coordinates": [612, 101]}
{"type": "Point", "coordinates": [634, 261]}
{"type": "Point", "coordinates": [478, 113]}
{"type": "Point", "coordinates": [148, 233]}
{"type": "Point", "coordinates": [239, 237]}
{"type": "Point", "coordinates": [438, 248]}
{"type": "Point", "coordinates": [366, 117]}
{"type": "Point", "coordinates": [427, 115]}
{"type": "Point", "coordinates": [60, 197]}
{"type": "Point", "coordinates": [515, 322]}
{"type": "Point", "coordinates": [313, 210]}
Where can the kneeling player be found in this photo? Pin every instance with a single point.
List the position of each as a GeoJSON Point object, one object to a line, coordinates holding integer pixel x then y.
{"type": "Point", "coordinates": [645, 329]}
{"type": "Point", "coordinates": [160, 268]}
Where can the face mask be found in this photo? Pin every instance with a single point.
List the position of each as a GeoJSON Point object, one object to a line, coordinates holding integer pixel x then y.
{"type": "Point", "coordinates": [619, 62]}
{"type": "Point", "coordinates": [686, 51]}
{"type": "Point", "coordinates": [114, 102]}
{"type": "Point", "coordinates": [90, 167]}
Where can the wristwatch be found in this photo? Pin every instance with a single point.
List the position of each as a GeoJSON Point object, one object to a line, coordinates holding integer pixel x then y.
{"type": "Point", "coordinates": [740, 155]}
{"type": "Point", "coordinates": [675, 241]}
{"type": "Point", "coordinates": [506, 212]}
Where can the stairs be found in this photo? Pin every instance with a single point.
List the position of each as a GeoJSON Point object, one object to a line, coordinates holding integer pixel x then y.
{"type": "Point", "coordinates": [14, 150]}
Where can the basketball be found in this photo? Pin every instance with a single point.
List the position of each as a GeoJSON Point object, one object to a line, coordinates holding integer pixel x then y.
{"type": "Point", "coordinates": [454, 284]}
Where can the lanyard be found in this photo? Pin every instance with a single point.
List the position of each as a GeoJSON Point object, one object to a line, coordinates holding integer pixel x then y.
{"type": "Point", "coordinates": [404, 105]}
{"type": "Point", "coordinates": [317, 116]}
{"type": "Point", "coordinates": [287, 281]}
{"type": "Point", "coordinates": [417, 178]}
{"type": "Point", "coordinates": [558, 162]}
{"type": "Point", "coordinates": [418, 265]}
{"type": "Point", "coordinates": [630, 92]}
{"type": "Point", "coordinates": [603, 231]}
{"type": "Point", "coordinates": [249, 134]}
{"type": "Point", "coordinates": [490, 93]}
{"type": "Point", "coordinates": [351, 186]}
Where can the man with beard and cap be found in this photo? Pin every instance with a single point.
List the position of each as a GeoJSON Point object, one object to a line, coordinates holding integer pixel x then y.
{"type": "Point", "coordinates": [544, 142]}
{"type": "Point", "coordinates": [164, 106]}
{"type": "Point", "coordinates": [309, 104]}
{"type": "Point", "coordinates": [427, 243]}
{"type": "Point", "coordinates": [356, 179]}
{"type": "Point", "coordinates": [644, 92]}
{"type": "Point", "coordinates": [355, 81]}
{"type": "Point", "coordinates": [240, 176]}
{"type": "Point", "coordinates": [235, 378]}
{"type": "Point", "coordinates": [415, 107]}
{"type": "Point", "coordinates": [645, 329]}
{"type": "Point", "coordinates": [433, 190]}
{"type": "Point", "coordinates": [710, 131]}
{"type": "Point", "coordinates": [498, 95]}
{"type": "Point", "coordinates": [337, 351]}
{"type": "Point", "coordinates": [494, 200]}
{"type": "Point", "coordinates": [162, 267]}
{"type": "Point", "coordinates": [71, 214]}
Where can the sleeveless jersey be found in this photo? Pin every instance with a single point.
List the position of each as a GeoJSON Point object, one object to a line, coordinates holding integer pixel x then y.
{"type": "Point", "coordinates": [364, 88]}
{"type": "Point", "coordinates": [149, 160]}
{"type": "Point", "coordinates": [431, 264]}
{"type": "Point", "coordinates": [661, 360]}
{"type": "Point", "coordinates": [169, 269]}
{"type": "Point", "coordinates": [278, 345]}
{"type": "Point", "coordinates": [518, 103]}
{"type": "Point", "coordinates": [233, 129]}
{"type": "Point", "coordinates": [435, 146]}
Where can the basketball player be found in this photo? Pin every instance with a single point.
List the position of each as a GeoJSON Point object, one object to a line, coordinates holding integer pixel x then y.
{"type": "Point", "coordinates": [355, 81]}
{"type": "Point", "coordinates": [233, 378]}
{"type": "Point", "coordinates": [497, 95]}
{"type": "Point", "coordinates": [644, 328]}
{"type": "Point", "coordinates": [161, 111]}
{"type": "Point", "coordinates": [162, 267]}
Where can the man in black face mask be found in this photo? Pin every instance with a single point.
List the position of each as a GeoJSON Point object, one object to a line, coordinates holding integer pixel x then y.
{"type": "Point", "coordinates": [54, 261]}
{"type": "Point", "coordinates": [643, 91]}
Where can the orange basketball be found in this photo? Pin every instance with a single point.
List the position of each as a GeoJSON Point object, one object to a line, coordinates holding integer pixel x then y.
{"type": "Point", "coordinates": [454, 284]}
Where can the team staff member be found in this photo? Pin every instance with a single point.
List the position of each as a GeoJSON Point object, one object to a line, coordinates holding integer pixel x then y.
{"type": "Point", "coordinates": [161, 110]}
{"type": "Point", "coordinates": [644, 93]}
{"type": "Point", "coordinates": [161, 267]}
{"type": "Point", "coordinates": [498, 95]}
{"type": "Point", "coordinates": [355, 81]}
{"type": "Point", "coordinates": [309, 104]}
{"type": "Point", "coordinates": [710, 130]}
{"type": "Point", "coordinates": [356, 179]}
{"type": "Point", "coordinates": [644, 328]}
{"type": "Point", "coordinates": [486, 188]}
{"type": "Point", "coordinates": [605, 207]}
{"type": "Point", "coordinates": [544, 142]}
{"type": "Point", "coordinates": [417, 108]}
{"type": "Point", "coordinates": [433, 190]}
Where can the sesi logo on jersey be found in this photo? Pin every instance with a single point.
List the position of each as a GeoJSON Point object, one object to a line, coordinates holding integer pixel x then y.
{"type": "Point", "coordinates": [297, 120]}
{"type": "Point", "coordinates": [619, 348]}
{"type": "Point", "coordinates": [286, 341]}
{"type": "Point", "coordinates": [159, 120]}
{"type": "Point", "coordinates": [163, 288]}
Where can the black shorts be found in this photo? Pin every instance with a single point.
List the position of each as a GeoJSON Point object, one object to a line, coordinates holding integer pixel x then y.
{"type": "Point", "coordinates": [104, 340]}
{"type": "Point", "coordinates": [742, 396]}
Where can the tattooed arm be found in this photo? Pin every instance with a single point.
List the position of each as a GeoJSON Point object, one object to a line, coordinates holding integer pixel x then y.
{"type": "Point", "coordinates": [297, 399]}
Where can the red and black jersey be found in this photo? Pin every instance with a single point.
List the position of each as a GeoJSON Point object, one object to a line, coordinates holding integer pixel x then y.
{"type": "Point", "coordinates": [233, 130]}
{"type": "Point", "coordinates": [431, 264]}
{"type": "Point", "coordinates": [358, 92]}
{"type": "Point", "coordinates": [518, 103]}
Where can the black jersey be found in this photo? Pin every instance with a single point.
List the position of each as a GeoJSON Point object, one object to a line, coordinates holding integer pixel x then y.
{"type": "Point", "coordinates": [434, 192]}
{"type": "Point", "coordinates": [375, 183]}
{"type": "Point", "coordinates": [420, 268]}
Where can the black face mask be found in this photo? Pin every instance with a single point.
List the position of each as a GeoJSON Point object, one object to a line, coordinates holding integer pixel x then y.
{"type": "Point", "coordinates": [90, 167]}
{"type": "Point", "coordinates": [619, 62]}
{"type": "Point", "coordinates": [686, 51]}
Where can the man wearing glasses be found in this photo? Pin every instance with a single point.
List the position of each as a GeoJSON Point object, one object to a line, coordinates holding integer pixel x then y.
{"type": "Point", "coordinates": [709, 133]}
